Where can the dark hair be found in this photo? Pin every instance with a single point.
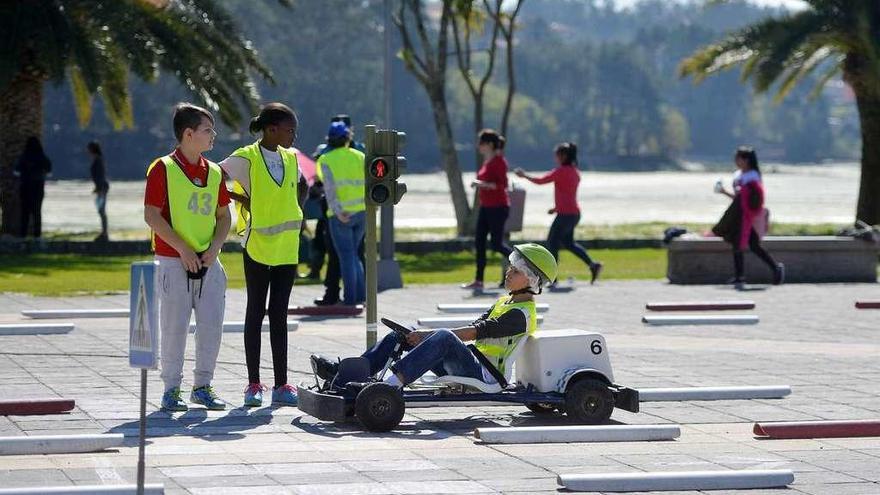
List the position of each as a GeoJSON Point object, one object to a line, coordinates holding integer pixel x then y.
{"type": "Point", "coordinates": [748, 154]}
{"type": "Point", "coordinates": [33, 148]}
{"type": "Point", "coordinates": [568, 152]}
{"type": "Point", "coordinates": [491, 136]}
{"type": "Point", "coordinates": [272, 114]}
{"type": "Point", "coordinates": [337, 142]}
{"type": "Point", "coordinates": [188, 116]}
{"type": "Point", "coordinates": [95, 148]}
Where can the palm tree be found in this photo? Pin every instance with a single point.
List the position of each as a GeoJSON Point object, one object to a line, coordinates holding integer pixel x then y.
{"type": "Point", "coordinates": [96, 45]}
{"type": "Point", "coordinates": [832, 37]}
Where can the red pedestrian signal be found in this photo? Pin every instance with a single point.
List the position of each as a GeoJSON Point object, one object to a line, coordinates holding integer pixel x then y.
{"type": "Point", "coordinates": [378, 168]}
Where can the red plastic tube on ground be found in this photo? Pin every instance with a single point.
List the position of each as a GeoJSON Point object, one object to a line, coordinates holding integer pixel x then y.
{"type": "Point", "coordinates": [35, 406]}
{"type": "Point", "coordinates": [819, 429]}
{"type": "Point", "coordinates": [700, 306]}
{"type": "Point", "coordinates": [867, 304]}
{"type": "Point", "coordinates": [332, 310]}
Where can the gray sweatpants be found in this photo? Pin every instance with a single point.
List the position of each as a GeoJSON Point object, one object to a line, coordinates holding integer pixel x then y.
{"type": "Point", "coordinates": [178, 298]}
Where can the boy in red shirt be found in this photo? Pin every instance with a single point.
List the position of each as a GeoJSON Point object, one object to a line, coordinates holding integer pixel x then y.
{"type": "Point", "coordinates": [186, 205]}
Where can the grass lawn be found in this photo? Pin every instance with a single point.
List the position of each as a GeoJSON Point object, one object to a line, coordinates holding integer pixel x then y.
{"type": "Point", "coordinates": [69, 274]}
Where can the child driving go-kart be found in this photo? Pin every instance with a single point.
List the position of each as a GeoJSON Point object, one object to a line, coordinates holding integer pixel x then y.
{"type": "Point", "coordinates": [495, 334]}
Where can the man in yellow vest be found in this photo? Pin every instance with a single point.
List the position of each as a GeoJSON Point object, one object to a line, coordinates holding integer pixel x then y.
{"type": "Point", "coordinates": [495, 334]}
{"type": "Point", "coordinates": [187, 207]}
{"type": "Point", "coordinates": [341, 170]}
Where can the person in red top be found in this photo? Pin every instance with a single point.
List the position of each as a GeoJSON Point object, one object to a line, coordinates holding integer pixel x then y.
{"type": "Point", "coordinates": [491, 185]}
{"type": "Point", "coordinates": [565, 178]}
{"type": "Point", "coordinates": [187, 208]}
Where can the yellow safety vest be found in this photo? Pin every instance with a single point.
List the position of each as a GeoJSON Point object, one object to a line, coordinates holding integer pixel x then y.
{"type": "Point", "coordinates": [275, 217]}
{"type": "Point", "coordinates": [193, 208]}
{"type": "Point", "coordinates": [347, 167]}
{"type": "Point", "coordinates": [499, 349]}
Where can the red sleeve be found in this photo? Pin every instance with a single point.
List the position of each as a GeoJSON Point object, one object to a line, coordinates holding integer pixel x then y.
{"type": "Point", "coordinates": [546, 178]}
{"type": "Point", "coordinates": [223, 196]}
{"type": "Point", "coordinates": [156, 193]}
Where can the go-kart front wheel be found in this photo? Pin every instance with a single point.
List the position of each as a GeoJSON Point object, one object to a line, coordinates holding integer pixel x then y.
{"type": "Point", "coordinates": [379, 407]}
{"type": "Point", "coordinates": [588, 401]}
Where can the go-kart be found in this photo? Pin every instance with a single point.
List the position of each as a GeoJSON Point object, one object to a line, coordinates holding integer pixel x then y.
{"type": "Point", "coordinates": [566, 370]}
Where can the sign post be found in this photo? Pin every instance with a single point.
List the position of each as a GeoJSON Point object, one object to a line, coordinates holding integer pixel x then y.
{"type": "Point", "coordinates": [143, 341]}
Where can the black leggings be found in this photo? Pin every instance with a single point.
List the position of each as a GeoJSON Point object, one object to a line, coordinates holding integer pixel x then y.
{"type": "Point", "coordinates": [490, 221]}
{"type": "Point", "coordinates": [758, 249]}
{"type": "Point", "coordinates": [562, 235]}
{"type": "Point", "coordinates": [260, 278]}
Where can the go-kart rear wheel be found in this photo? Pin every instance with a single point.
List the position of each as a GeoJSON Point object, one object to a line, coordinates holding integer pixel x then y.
{"type": "Point", "coordinates": [588, 401]}
{"type": "Point", "coordinates": [541, 407]}
{"type": "Point", "coordinates": [379, 407]}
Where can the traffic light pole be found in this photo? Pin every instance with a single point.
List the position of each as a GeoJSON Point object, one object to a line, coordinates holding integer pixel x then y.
{"type": "Point", "coordinates": [370, 253]}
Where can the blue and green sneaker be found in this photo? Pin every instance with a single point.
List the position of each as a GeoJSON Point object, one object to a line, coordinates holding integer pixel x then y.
{"type": "Point", "coordinates": [205, 396]}
{"type": "Point", "coordinates": [171, 400]}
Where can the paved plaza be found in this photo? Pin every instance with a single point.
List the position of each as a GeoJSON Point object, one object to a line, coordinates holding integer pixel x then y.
{"type": "Point", "coordinates": [809, 337]}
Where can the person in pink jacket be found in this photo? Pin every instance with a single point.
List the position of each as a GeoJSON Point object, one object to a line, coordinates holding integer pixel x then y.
{"type": "Point", "coordinates": [749, 225]}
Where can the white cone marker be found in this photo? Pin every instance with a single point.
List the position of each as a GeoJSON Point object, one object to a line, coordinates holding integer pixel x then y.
{"type": "Point", "coordinates": [238, 326]}
{"type": "Point", "coordinates": [700, 319]}
{"type": "Point", "coordinates": [58, 444]}
{"type": "Point", "coordinates": [713, 393]}
{"type": "Point", "coordinates": [454, 321]}
{"type": "Point", "coordinates": [480, 308]}
{"type": "Point", "coordinates": [571, 434]}
{"type": "Point", "coordinates": [677, 481]}
{"type": "Point", "coordinates": [152, 489]}
{"type": "Point", "coordinates": [36, 329]}
{"type": "Point", "coordinates": [63, 314]}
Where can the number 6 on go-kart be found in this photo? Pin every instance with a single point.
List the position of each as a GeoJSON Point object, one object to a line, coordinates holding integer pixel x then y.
{"type": "Point", "coordinates": [566, 370]}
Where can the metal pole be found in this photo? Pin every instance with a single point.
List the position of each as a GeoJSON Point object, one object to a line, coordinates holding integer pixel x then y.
{"type": "Point", "coordinates": [143, 434]}
{"type": "Point", "coordinates": [370, 250]}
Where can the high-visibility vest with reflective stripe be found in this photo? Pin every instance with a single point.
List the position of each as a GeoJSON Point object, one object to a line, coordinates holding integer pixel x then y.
{"type": "Point", "coordinates": [347, 167]}
{"type": "Point", "coordinates": [242, 214]}
{"type": "Point", "coordinates": [193, 208]}
{"type": "Point", "coordinates": [499, 349]}
{"type": "Point", "coordinates": [275, 216]}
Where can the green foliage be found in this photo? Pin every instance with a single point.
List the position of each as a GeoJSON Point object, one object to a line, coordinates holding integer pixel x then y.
{"type": "Point", "coordinates": [97, 44]}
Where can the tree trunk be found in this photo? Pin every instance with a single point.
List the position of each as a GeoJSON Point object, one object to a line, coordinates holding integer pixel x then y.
{"type": "Point", "coordinates": [859, 74]}
{"type": "Point", "coordinates": [21, 114]}
{"type": "Point", "coordinates": [450, 160]}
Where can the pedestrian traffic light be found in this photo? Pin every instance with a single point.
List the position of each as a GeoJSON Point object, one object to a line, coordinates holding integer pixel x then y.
{"type": "Point", "coordinates": [384, 167]}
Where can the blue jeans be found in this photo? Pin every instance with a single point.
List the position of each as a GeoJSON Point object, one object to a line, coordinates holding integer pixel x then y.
{"type": "Point", "coordinates": [442, 352]}
{"type": "Point", "coordinates": [346, 239]}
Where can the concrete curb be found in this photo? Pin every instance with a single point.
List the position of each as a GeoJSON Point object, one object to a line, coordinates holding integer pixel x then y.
{"type": "Point", "coordinates": [660, 320]}
{"type": "Point", "coordinates": [61, 314]}
{"type": "Point", "coordinates": [36, 328]}
{"type": "Point", "coordinates": [58, 444]}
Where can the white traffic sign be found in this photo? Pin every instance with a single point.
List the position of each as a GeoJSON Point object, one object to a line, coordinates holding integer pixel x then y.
{"type": "Point", "coordinates": [143, 337]}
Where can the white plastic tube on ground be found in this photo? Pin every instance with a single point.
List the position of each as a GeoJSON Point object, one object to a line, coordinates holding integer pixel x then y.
{"type": "Point", "coordinates": [480, 308]}
{"type": "Point", "coordinates": [677, 481]}
{"type": "Point", "coordinates": [571, 434]}
{"type": "Point", "coordinates": [63, 314]}
{"type": "Point", "coordinates": [152, 489]}
{"type": "Point", "coordinates": [700, 319]}
{"type": "Point", "coordinates": [713, 393]}
{"type": "Point", "coordinates": [454, 321]}
{"type": "Point", "coordinates": [238, 326]}
{"type": "Point", "coordinates": [58, 444]}
{"type": "Point", "coordinates": [36, 328]}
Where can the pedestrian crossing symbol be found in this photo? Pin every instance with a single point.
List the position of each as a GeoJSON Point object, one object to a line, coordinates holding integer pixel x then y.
{"type": "Point", "coordinates": [143, 320]}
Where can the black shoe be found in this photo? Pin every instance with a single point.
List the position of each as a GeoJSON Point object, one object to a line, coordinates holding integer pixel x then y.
{"type": "Point", "coordinates": [595, 270]}
{"type": "Point", "coordinates": [779, 274]}
{"type": "Point", "coordinates": [326, 302]}
{"type": "Point", "coordinates": [323, 367]}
